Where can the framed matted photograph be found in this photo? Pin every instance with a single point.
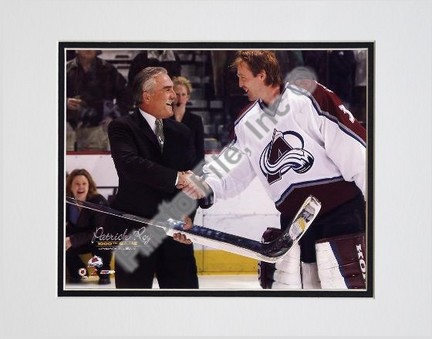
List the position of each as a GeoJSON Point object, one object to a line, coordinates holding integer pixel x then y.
{"type": "Point", "coordinates": [39, 149]}
{"type": "Point", "coordinates": [216, 169]}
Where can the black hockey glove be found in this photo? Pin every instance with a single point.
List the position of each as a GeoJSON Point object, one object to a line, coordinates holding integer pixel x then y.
{"type": "Point", "coordinates": [208, 200]}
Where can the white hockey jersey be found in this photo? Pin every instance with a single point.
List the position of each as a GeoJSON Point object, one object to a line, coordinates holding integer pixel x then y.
{"type": "Point", "coordinates": [297, 148]}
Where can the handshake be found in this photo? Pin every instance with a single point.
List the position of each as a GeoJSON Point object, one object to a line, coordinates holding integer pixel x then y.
{"type": "Point", "coordinates": [196, 188]}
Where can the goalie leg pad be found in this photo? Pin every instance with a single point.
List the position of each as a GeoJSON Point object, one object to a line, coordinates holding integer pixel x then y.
{"type": "Point", "coordinates": [288, 273]}
{"type": "Point", "coordinates": [285, 273]}
{"type": "Point", "coordinates": [310, 278]}
{"type": "Point", "coordinates": [341, 262]}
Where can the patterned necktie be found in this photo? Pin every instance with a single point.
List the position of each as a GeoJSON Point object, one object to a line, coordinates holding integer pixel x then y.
{"type": "Point", "coordinates": [159, 133]}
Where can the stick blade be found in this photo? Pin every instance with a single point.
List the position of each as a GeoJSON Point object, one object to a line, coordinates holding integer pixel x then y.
{"type": "Point", "coordinates": [270, 252]}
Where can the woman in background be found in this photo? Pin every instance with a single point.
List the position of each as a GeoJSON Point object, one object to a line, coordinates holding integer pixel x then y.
{"type": "Point", "coordinates": [81, 224]}
{"type": "Point", "coordinates": [183, 89]}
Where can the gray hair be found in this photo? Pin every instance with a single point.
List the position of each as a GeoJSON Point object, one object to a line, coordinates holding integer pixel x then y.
{"type": "Point", "coordinates": [144, 82]}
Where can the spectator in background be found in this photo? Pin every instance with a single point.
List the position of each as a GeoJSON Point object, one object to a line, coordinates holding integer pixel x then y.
{"type": "Point", "coordinates": [341, 75]}
{"type": "Point", "coordinates": [317, 61]}
{"type": "Point", "coordinates": [183, 89]}
{"type": "Point", "coordinates": [359, 96]}
{"type": "Point", "coordinates": [96, 93]}
{"type": "Point", "coordinates": [335, 70]}
{"type": "Point", "coordinates": [288, 60]}
{"type": "Point", "coordinates": [81, 224]}
{"type": "Point", "coordinates": [155, 58]}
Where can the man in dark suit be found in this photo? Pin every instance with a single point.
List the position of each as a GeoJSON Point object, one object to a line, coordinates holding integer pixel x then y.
{"type": "Point", "coordinates": [149, 172]}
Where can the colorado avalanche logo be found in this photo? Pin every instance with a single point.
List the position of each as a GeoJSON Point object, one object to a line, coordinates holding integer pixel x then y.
{"type": "Point", "coordinates": [95, 261]}
{"type": "Point", "coordinates": [283, 153]}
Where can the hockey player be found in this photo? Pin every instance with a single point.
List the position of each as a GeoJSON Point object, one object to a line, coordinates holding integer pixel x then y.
{"type": "Point", "coordinates": [297, 144]}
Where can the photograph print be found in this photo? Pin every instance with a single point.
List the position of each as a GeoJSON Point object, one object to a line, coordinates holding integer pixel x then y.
{"type": "Point", "coordinates": [216, 169]}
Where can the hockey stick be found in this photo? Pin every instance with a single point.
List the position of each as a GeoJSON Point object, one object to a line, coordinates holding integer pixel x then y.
{"type": "Point", "coordinates": [268, 252]}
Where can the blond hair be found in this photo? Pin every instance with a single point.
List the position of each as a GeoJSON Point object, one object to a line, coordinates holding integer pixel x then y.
{"type": "Point", "coordinates": [184, 82]}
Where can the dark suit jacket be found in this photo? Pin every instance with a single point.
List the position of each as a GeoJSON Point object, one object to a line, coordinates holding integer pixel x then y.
{"type": "Point", "coordinates": [147, 177]}
{"type": "Point", "coordinates": [195, 124]}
